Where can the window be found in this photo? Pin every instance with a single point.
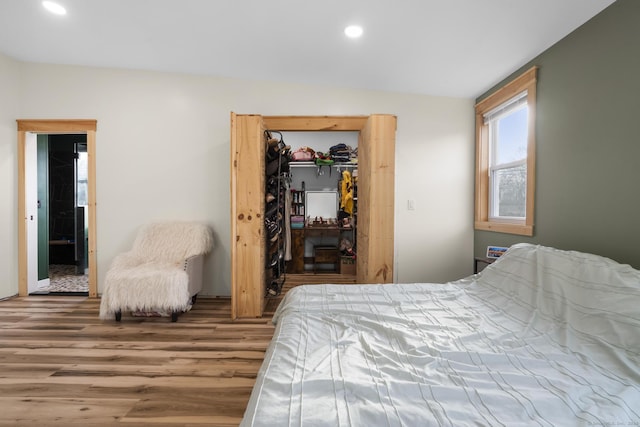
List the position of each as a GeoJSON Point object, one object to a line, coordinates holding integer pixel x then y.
{"type": "Point", "coordinates": [508, 159]}
{"type": "Point", "coordinates": [505, 157]}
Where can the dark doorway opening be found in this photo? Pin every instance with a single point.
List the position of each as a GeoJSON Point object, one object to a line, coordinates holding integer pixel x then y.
{"type": "Point", "coordinates": [62, 214]}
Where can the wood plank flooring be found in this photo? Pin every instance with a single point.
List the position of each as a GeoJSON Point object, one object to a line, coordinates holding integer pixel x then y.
{"type": "Point", "coordinates": [61, 365]}
{"type": "Point", "coordinates": [293, 280]}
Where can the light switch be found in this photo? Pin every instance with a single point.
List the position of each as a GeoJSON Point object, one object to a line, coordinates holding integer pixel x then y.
{"type": "Point", "coordinates": [411, 204]}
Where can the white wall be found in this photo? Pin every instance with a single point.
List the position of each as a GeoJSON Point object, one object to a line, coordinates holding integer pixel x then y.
{"type": "Point", "coordinates": [435, 168]}
{"type": "Point", "coordinates": [9, 87]}
{"type": "Point", "coordinates": [163, 153]}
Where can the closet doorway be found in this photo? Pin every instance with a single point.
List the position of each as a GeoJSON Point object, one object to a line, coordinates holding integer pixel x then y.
{"type": "Point", "coordinates": [375, 232]}
{"type": "Point", "coordinates": [71, 143]}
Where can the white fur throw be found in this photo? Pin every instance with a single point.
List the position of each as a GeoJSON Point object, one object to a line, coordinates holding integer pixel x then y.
{"type": "Point", "coordinates": [173, 241]}
{"type": "Point", "coordinates": [152, 275]}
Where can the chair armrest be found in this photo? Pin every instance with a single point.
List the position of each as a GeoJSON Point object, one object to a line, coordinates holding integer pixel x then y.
{"type": "Point", "coordinates": [126, 260]}
{"type": "Point", "coordinates": [194, 267]}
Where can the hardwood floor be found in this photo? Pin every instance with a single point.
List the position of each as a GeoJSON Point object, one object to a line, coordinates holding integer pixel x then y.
{"type": "Point", "coordinates": [293, 280]}
{"type": "Point", "coordinates": [61, 365]}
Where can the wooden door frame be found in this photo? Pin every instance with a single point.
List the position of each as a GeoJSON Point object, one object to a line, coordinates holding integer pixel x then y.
{"type": "Point", "coordinates": [247, 298]}
{"type": "Point", "coordinates": [62, 126]}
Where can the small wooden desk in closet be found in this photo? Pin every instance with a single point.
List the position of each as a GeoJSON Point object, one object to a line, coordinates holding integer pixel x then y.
{"type": "Point", "coordinates": [298, 239]}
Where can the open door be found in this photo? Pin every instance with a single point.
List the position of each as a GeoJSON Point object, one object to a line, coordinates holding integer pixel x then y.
{"type": "Point", "coordinates": [43, 210]}
{"type": "Point", "coordinates": [247, 222]}
{"type": "Point", "coordinates": [31, 217]}
{"type": "Point", "coordinates": [376, 188]}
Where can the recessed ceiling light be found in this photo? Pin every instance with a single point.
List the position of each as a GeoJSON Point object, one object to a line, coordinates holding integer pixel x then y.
{"type": "Point", "coordinates": [54, 8]}
{"type": "Point", "coordinates": [353, 31]}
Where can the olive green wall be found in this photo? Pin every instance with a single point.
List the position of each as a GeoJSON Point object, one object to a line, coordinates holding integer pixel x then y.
{"type": "Point", "coordinates": [588, 140]}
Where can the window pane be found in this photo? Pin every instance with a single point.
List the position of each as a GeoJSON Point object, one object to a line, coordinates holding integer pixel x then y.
{"type": "Point", "coordinates": [510, 191]}
{"type": "Point", "coordinates": [511, 144]}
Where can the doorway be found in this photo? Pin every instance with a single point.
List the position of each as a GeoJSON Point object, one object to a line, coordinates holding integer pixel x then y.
{"type": "Point", "coordinates": [62, 218]}
{"type": "Point", "coordinates": [72, 228]}
{"type": "Point", "coordinates": [375, 231]}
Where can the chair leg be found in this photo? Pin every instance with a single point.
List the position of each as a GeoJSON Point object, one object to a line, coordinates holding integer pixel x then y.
{"type": "Point", "coordinates": [118, 315]}
{"type": "Point", "coordinates": [174, 316]}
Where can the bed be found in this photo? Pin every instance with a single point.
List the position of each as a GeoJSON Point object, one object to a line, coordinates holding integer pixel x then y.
{"type": "Point", "coordinates": [540, 337]}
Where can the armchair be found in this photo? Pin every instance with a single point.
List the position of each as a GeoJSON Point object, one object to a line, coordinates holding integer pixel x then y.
{"type": "Point", "coordinates": [162, 272]}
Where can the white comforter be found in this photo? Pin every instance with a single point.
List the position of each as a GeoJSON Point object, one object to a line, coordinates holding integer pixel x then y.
{"type": "Point", "coordinates": [541, 337]}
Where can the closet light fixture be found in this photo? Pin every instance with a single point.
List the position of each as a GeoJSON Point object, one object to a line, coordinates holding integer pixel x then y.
{"type": "Point", "coordinates": [353, 31]}
{"type": "Point", "coordinates": [54, 8]}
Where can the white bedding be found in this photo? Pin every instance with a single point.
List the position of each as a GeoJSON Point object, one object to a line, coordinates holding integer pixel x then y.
{"type": "Point", "coordinates": [540, 337]}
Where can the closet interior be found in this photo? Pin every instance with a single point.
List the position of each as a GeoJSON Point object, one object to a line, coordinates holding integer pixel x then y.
{"type": "Point", "coordinates": [310, 204]}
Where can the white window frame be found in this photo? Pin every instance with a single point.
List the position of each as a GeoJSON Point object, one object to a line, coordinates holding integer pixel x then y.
{"type": "Point", "coordinates": [513, 105]}
{"type": "Point", "coordinates": [522, 87]}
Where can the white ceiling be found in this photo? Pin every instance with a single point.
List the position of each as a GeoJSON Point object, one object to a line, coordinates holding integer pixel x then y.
{"type": "Point", "coordinates": [456, 48]}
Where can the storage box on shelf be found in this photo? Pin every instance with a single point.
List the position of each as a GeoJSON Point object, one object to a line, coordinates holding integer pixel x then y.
{"type": "Point", "coordinates": [325, 255]}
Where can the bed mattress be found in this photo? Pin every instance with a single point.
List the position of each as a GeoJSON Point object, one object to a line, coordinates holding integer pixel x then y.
{"type": "Point", "coordinates": [540, 337]}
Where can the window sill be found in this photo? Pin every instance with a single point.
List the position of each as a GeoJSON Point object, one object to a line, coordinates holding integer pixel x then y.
{"type": "Point", "coordinates": [503, 227]}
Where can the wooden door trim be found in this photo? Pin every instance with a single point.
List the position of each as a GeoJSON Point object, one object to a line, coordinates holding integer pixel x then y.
{"type": "Point", "coordinates": [52, 126]}
{"type": "Point", "coordinates": [315, 123]}
{"type": "Point", "coordinates": [49, 126]}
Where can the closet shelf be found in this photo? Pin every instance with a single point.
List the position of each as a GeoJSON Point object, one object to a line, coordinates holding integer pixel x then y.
{"type": "Point", "coordinates": [312, 164]}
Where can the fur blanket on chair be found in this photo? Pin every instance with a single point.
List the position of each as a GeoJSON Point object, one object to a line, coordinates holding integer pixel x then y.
{"type": "Point", "coordinates": [173, 241]}
{"type": "Point", "coordinates": [152, 276]}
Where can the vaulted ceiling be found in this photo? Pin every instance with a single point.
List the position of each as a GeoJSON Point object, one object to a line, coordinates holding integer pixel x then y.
{"type": "Point", "coordinates": [456, 48]}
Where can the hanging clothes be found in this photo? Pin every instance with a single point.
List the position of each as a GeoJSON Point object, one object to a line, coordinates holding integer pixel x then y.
{"type": "Point", "coordinates": [346, 193]}
{"type": "Point", "coordinates": [287, 222]}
